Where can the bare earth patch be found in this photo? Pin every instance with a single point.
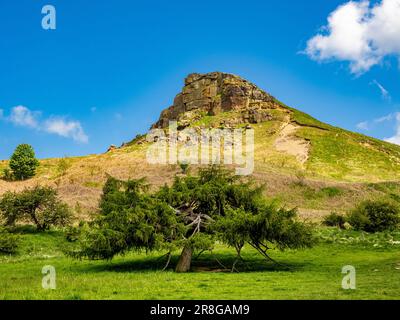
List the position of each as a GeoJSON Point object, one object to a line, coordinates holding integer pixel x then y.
{"type": "Point", "coordinates": [287, 142]}
{"type": "Point", "coordinates": [313, 215]}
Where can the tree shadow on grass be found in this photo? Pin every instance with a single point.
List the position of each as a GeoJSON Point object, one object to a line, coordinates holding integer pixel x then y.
{"type": "Point", "coordinates": [224, 262]}
{"type": "Point", "coordinates": [131, 264]}
{"type": "Point", "coordinates": [30, 229]}
{"type": "Point", "coordinates": [24, 229]}
{"type": "Point", "coordinates": [206, 263]}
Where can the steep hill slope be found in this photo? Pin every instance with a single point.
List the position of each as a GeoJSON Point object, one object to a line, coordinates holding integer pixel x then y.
{"type": "Point", "coordinates": [283, 134]}
{"type": "Point", "coordinates": [302, 161]}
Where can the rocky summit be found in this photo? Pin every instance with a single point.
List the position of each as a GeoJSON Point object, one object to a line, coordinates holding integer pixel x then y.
{"type": "Point", "coordinates": [216, 92]}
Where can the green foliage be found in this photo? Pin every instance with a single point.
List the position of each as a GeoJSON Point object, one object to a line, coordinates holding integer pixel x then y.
{"type": "Point", "coordinates": [375, 216]}
{"type": "Point", "coordinates": [40, 205]}
{"type": "Point", "coordinates": [62, 166]}
{"type": "Point", "coordinates": [8, 241]}
{"type": "Point", "coordinates": [7, 174]}
{"type": "Point", "coordinates": [309, 192]}
{"type": "Point", "coordinates": [23, 162]}
{"type": "Point", "coordinates": [129, 219]}
{"type": "Point", "coordinates": [331, 192]}
{"type": "Point", "coordinates": [201, 242]}
{"type": "Point", "coordinates": [335, 220]}
{"type": "Point", "coordinates": [264, 227]}
{"type": "Point", "coordinates": [192, 213]}
{"type": "Point", "coordinates": [9, 211]}
{"type": "Point", "coordinates": [72, 233]}
{"type": "Point", "coordinates": [184, 167]}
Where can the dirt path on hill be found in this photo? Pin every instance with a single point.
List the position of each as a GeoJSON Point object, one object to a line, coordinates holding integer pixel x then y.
{"type": "Point", "coordinates": [287, 142]}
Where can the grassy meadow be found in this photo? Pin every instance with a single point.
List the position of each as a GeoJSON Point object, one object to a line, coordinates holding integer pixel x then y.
{"type": "Point", "coordinates": [302, 274]}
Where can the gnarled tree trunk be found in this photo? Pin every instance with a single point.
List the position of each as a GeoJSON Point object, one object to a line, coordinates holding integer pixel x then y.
{"type": "Point", "coordinates": [185, 260]}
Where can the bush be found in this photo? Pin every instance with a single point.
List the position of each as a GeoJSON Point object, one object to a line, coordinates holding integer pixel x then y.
{"type": "Point", "coordinates": [72, 233]}
{"type": "Point", "coordinates": [8, 241]}
{"type": "Point", "coordinates": [374, 216]}
{"type": "Point", "coordinates": [184, 167]}
{"type": "Point", "coordinates": [62, 166]}
{"type": "Point", "coordinates": [40, 205]}
{"type": "Point", "coordinates": [23, 162]}
{"type": "Point", "coordinates": [335, 220]}
{"type": "Point", "coordinates": [331, 192]}
{"type": "Point", "coordinates": [7, 175]}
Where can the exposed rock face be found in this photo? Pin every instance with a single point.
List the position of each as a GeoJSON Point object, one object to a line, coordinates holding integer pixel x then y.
{"type": "Point", "coordinates": [216, 92]}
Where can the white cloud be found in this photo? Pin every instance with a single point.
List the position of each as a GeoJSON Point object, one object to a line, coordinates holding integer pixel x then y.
{"type": "Point", "coordinates": [67, 129]}
{"type": "Point", "coordinates": [363, 125]}
{"type": "Point", "coordinates": [396, 138]}
{"type": "Point", "coordinates": [360, 33]}
{"type": "Point", "coordinates": [389, 117]}
{"type": "Point", "coordinates": [24, 117]}
{"type": "Point", "coordinates": [384, 93]}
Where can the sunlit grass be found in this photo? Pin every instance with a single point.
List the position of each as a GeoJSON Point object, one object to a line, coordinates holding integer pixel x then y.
{"type": "Point", "coordinates": [305, 274]}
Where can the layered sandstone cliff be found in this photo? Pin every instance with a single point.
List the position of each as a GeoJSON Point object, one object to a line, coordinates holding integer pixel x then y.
{"type": "Point", "coordinates": [214, 93]}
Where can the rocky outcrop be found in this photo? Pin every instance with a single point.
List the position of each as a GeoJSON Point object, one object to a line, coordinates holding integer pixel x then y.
{"type": "Point", "coordinates": [216, 92]}
{"type": "Point", "coordinates": [111, 148]}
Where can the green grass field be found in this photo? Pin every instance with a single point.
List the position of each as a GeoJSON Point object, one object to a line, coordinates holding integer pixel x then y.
{"type": "Point", "coordinates": [306, 274]}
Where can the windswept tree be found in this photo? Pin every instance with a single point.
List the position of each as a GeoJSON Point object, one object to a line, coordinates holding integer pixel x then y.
{"type": "Point", "coordinates": [40, 205]}
{"type": "Point", "coordinates": [130, 219]}
{"type": "Point", "coordinates": [219, 205]}
{"type": "Point", "coordinates": [23, 162]}
{"type": "Point", "coordinates": [191, 214]}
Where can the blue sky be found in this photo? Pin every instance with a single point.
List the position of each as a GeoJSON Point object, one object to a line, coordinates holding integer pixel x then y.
{"type": "Point", "coordinates": [109, 68]}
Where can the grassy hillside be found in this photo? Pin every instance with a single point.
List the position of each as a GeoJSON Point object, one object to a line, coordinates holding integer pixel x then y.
{"type": "Point", "coordinates": [345, 155]}
{"type": "Point", "coordinates": [341, 168]}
